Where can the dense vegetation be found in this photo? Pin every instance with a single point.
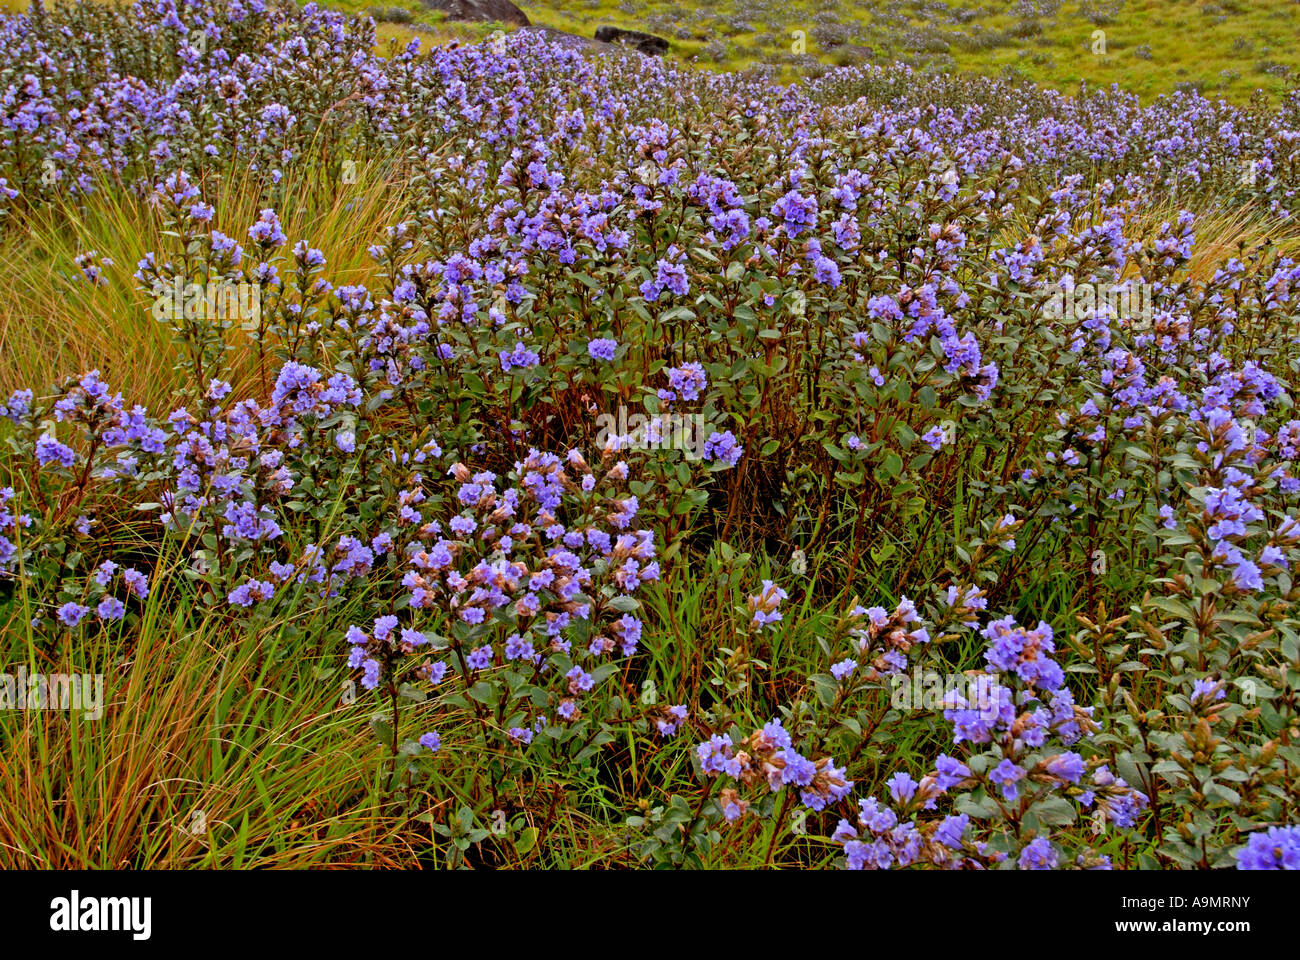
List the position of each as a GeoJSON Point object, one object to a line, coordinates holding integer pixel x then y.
{"type": "Point", "coordinates": [1223, 49]}
{"type": "Point", "coordinates": [496, 456]}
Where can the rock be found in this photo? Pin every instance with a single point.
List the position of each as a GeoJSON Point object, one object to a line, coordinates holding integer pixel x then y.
{"type": "Point", "coordinates": [502, 11]}
{"type": "Point", "coordinates": [646, 43]}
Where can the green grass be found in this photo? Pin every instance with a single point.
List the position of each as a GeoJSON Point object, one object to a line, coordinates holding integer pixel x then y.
{"type": "Point", "coordinates": [1227, 49]}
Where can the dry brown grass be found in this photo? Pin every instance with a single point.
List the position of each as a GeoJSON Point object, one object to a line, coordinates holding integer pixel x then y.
{"type": "Point", "coordinates": [53, 323]}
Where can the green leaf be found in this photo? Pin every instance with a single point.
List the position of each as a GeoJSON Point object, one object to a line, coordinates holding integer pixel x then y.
{"type": "Point", "coordinates": [1053, 811]}
{"type": "Point", "coordinates": [382, 729]}
{"type": "Point", "coordinates": [527, 840]}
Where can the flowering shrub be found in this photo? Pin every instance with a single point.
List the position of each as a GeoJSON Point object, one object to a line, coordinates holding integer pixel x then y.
{"type": "Point", "coordinates": [1020, 787]}
{"type": "Point", "coordinates": [388, 475]}
{"type": "Point", "coordinates": [537, 579]}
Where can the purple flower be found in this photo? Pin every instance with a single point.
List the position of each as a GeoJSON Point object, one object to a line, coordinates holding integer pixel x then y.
{"type": "Point", "coordinates": [1208, 689]}
{"type": "Point", "coordinates": [1277, 848]}
{"type": "Point", "coordinates": [18, 406]}
{"type": "Point", "coordinates": [840, 671]}
{"type": "Point", "coordinates": [136, 582]}
{"type": "Point", "coordinates": [246, 594]}
{"type": "Point", "coordinates": [1038, 854]}
{"type": "Point", "coordinates": [579, 680]}
{"type": "Point", "coordinates": [110, 608]}
{"type": "Point", "coordinates": [72, 614]}
{"type": "Point", "coordinates": [1066, 766]}
{"type": "Point", "coordinates": [667, 726]}
{"type": "Point", "coordinates": [826, 271]}
{"type": "Point", "coordinates": [715, 753]}
{"type": "Point", "coordinates": [266, 231]}
{"type": "Point", "coordinates": [723, 446]}
{"type": "Point", "coordinates": [1007, 774]}
{"type": "Point", "coordinates": [950, 772]}
{"type": "Point", "coordinates": [518, 358]}
{"type": "Point", "coordinates": [901, 787]}
{"type": "Point", "coordinates": [798, 770]}
{"type": "Point", "coordinates": [764, 605]}
{"type": "Point", "coordinates": [796, 211]}
{"type": "Point", "coordinates": [949, 832]}
{"type": "Point", "coordinates": [689, 380]}
{"type": "Point", "coordinates": [50, 451]}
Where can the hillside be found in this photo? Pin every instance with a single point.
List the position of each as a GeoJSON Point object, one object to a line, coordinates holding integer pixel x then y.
{"type": "Point", "coordinates": [1150, 47]}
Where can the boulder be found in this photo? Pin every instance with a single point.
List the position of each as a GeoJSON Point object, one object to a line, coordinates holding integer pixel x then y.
{"type": "Point", "coordinates": [501, 11]}
{"type": "Point", "coordinates": [646, 43]}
